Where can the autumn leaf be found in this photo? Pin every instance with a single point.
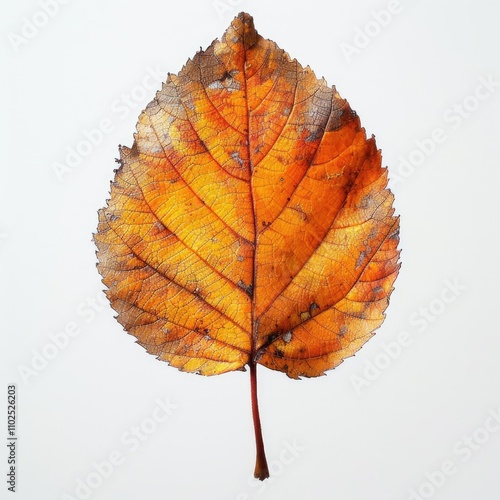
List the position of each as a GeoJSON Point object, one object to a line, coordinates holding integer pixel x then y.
{"type": "Point", "coordinates": [250, 222]}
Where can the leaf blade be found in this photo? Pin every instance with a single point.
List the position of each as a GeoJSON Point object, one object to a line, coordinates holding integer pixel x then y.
{"type": "Point", "coordinates": [251, 219]}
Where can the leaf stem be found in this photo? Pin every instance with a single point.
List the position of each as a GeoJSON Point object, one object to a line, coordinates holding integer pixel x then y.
{"type": "Point", "coordinates": [261, 470]}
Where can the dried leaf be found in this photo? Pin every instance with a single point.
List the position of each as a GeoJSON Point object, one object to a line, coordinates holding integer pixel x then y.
{"type": "Point", "coordinates": [250, 222]}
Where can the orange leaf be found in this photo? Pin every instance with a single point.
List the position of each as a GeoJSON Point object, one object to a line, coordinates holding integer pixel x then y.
{"type": "Point", "coordinates": [250, 221]}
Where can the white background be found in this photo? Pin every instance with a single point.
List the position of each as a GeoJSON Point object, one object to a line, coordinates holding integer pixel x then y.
{"type": "Point", "coordinates": [377, 441]}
